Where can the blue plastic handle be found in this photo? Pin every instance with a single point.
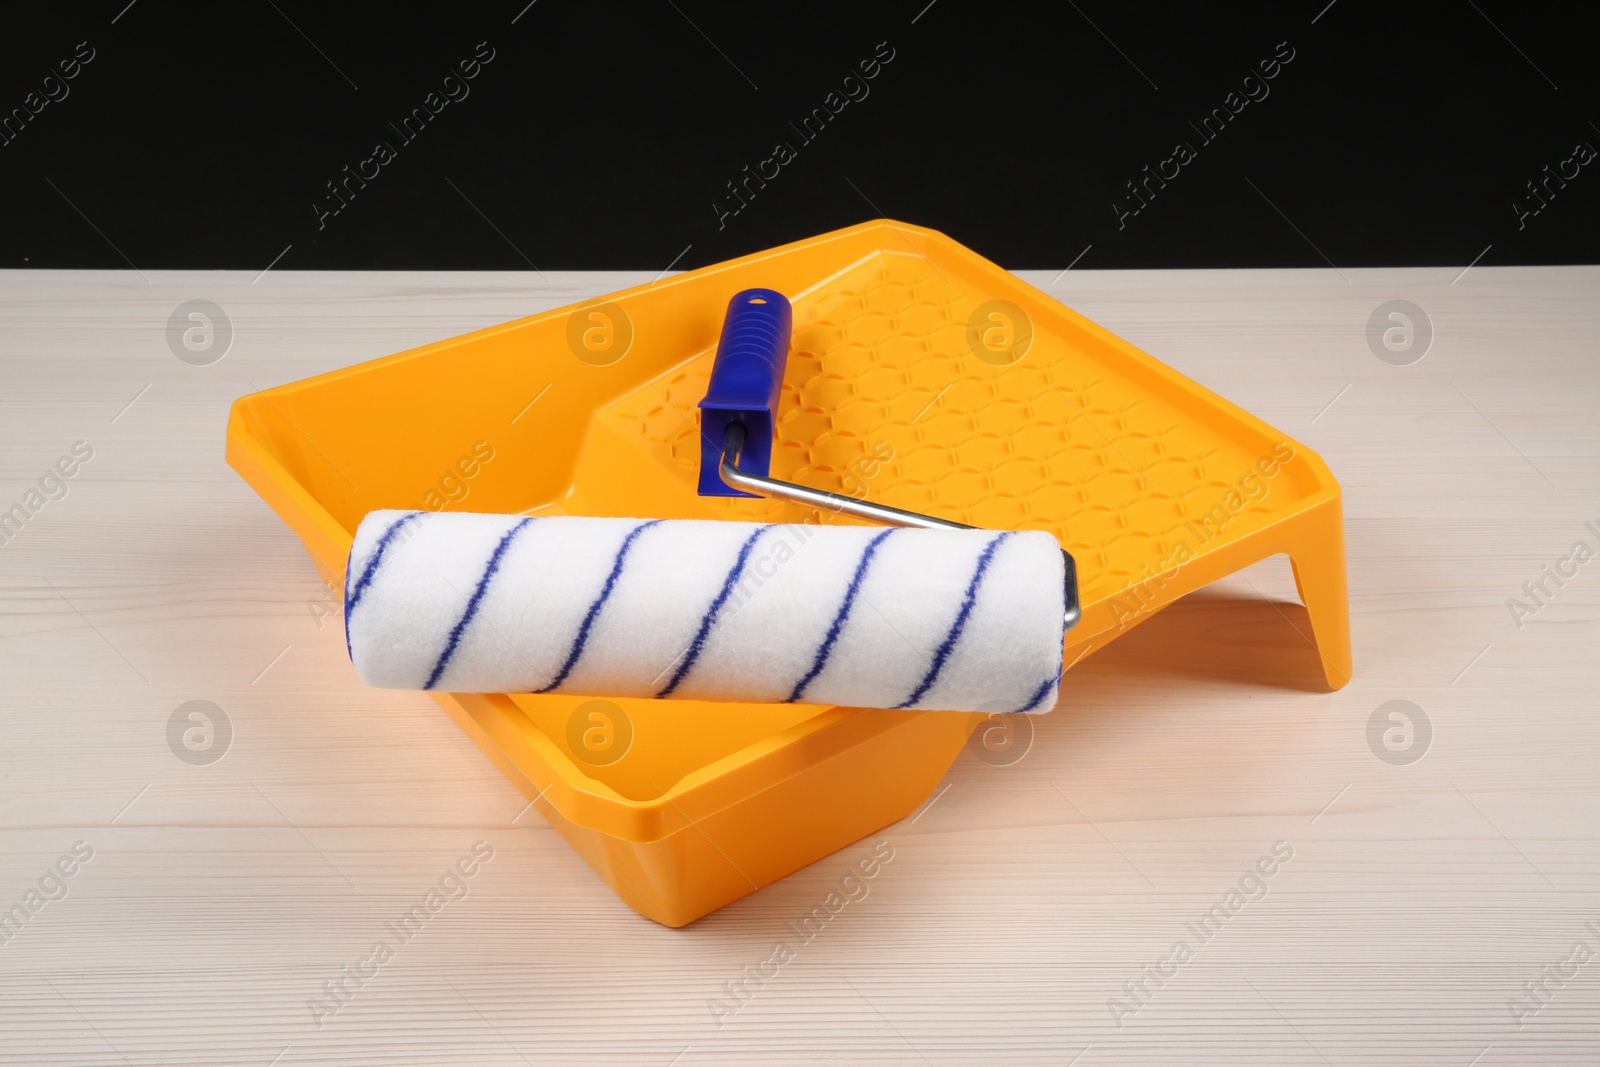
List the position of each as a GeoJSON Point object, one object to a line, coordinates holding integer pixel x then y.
{"type": "Point", "coordinates": [745, 382]}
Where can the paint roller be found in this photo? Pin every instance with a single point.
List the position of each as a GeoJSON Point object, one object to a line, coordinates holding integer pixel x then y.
{"type": "Point", "coordinates": [925, 614]}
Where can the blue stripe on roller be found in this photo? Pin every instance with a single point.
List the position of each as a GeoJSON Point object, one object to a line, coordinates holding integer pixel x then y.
{"type": "Point", "coordinates": [1044, 689]}
{"type": "Point", "coordinates": [956, 627]}
{"type": "Point", "coordinates": [1040, 693]}
{"type": "Point", "coordinates": [353, 597]}
{"type": "Point", "coordinates": [582, 639]}
{"type": "Point", "coordinates": [710, 617]}
{"type": "Point", "coordinates": [472, 604]}
{"type": "Point", "coordinates": [839, 619]}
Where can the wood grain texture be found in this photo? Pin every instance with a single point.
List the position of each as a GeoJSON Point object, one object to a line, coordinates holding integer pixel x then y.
{"type": "Point", "coordinates": [1418, 900]}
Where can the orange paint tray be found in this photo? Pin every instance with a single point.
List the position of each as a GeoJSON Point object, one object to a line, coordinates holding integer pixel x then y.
{"type": "Point", "coordinates": [922, 376]}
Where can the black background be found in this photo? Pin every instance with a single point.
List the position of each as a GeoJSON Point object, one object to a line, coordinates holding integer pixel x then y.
{"type": "Point", "coordinates": [601, 134]}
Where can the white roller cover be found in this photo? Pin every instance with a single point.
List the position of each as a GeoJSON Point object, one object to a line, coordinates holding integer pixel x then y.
{"type": "Point", "coordinates": [862, 616]}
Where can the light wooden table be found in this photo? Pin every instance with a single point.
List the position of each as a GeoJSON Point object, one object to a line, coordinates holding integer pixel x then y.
{"type": "Point", "coordinates": [1419, 899]}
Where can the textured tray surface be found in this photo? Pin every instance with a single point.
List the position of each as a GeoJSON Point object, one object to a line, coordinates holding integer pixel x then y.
{"type": "Point", "coordinates": [1062, 440]}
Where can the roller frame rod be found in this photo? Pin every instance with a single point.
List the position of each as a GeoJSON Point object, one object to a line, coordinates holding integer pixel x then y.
{"type": "Point", "coordinates": [728, 468]}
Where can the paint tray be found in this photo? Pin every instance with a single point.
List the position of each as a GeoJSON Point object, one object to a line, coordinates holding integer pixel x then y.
{"type": "Point", "coordinates": [921, 376]}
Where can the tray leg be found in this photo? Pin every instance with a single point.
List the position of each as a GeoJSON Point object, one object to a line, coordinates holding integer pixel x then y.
{"type": "Point", "coordinates": [1317, 554]}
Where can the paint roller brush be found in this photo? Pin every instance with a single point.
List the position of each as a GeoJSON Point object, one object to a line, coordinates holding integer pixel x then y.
{"type": "Point", "coordinates": [927, 614]}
